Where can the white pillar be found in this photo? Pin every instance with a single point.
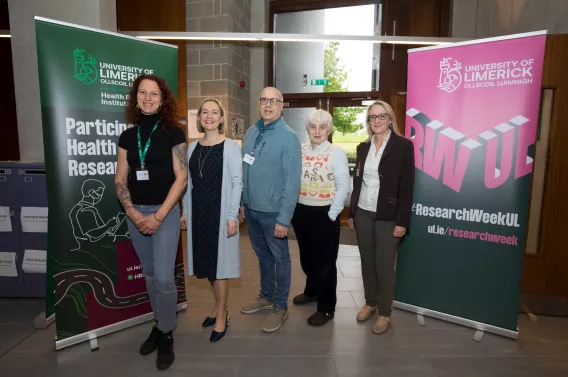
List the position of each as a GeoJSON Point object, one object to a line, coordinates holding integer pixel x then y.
{"type": "Point", "coordinates": [100, 14]}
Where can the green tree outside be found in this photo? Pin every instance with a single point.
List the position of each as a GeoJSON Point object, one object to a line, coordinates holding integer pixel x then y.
{"type": "Point", "coordinates": [344, 118]}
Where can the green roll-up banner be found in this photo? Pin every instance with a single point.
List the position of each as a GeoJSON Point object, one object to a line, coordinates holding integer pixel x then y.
{"type": "Point", "coordinates": [472, 115]}
{"type": "Point", "coordinates": [95, 285]}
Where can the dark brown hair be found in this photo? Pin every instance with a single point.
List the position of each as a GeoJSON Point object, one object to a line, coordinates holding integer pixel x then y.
{"type": "Point", "coordinates": [168, 110]}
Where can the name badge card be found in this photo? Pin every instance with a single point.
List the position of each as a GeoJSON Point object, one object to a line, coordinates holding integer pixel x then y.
{"type": "Point", "coordinates": [142, 175]}
{"type": "Point", "coordinates": [248, 159]}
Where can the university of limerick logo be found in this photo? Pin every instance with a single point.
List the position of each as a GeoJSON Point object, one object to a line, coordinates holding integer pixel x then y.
{"type": "Point", "coordinates": [450, 75]}
{"type": "Point", "coordinates": [85, 67]}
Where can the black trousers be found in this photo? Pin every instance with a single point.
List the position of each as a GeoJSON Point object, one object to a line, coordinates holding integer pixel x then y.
{"type": "Point", "coordinates": [318, 239]}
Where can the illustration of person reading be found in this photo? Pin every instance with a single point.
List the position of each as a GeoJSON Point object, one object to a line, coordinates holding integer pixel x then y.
{"type": "Point", "coordinates": [89, 226]}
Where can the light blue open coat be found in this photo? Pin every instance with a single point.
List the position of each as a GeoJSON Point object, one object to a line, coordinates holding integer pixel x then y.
{"type": "Point", "coordinates": [228, 260]}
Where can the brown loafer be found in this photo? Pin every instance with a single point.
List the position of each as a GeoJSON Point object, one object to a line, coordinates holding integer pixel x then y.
{"type": "Point", "coordinates": [365, 313]}
{"type": "Point", "coordinates": [381, 325]}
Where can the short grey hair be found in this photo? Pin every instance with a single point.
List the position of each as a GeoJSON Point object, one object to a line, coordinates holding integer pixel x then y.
{"type": "Point", "coordinates": [320, 117]}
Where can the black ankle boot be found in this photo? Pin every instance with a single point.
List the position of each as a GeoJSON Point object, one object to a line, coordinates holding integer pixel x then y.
{"type": "Point", "coordinates": [166, 355]}
{"type": "Point", "coordinates": [150, 344]}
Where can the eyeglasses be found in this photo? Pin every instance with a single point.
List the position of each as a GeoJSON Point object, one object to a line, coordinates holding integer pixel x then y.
{"type": "Point", "coordinates": [372, 118]}
{"type": "Point", "coordinates": [273, 101]}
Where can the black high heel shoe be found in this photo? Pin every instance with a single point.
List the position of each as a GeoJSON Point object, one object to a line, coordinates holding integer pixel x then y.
{"type": "Point", "coordinates": [210, 321]}
{"type": "Point", "coordinates": [216, 336]}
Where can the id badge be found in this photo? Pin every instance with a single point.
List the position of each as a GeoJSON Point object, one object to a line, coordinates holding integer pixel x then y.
{"type": "Point", "coordinates": [248, 159]}
{"type": "Point", "coordinates": [142, 175]}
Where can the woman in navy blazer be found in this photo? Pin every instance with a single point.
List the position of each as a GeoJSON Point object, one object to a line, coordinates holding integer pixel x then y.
{"type": "Point", "coordinates": [380, 209]}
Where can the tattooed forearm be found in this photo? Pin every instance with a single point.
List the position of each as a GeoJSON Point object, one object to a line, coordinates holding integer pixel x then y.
{"type": "Point", "coordinates": [180, 153]}
{"type": "Point", "coordinates": [123, 195]}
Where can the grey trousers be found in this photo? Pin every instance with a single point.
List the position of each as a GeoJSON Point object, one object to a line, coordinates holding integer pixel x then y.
{"type": "Point", "coordinates": [378, 248]}
{"type": "Point", "coordinates": [157, 254]}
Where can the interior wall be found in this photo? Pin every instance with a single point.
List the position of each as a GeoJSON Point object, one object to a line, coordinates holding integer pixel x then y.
{"type": "Point", "coordinates": [92, 13]}
{"type": "Point", "coordinates": [489, 18]}
{"type": "Point", "coordinates": [258, 56]}
{"type": "Point", "coordinates": [143, 15]}
{"type": "Point", "coordinates": [217, 69]}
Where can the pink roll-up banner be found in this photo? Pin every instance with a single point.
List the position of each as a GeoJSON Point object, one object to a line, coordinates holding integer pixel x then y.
{"type": "Point", "coordinates": [472, 114]}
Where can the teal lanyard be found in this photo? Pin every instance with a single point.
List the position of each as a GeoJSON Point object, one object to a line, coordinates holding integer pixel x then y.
{"type": "Point", "coordinates": [142, 153]}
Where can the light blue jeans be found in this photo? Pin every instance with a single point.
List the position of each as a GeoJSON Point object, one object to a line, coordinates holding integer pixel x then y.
{"type": "Point", "coordinates": [157, 254]}
{"type": "Point", "coordinates": [273, 257]}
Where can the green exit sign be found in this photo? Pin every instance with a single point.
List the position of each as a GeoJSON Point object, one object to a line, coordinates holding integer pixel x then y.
{"type": "Point", "coordinates": [320, 82]}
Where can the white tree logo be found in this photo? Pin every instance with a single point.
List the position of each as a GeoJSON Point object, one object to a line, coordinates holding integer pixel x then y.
{"type": "Point", "coordinates": [450, 75]}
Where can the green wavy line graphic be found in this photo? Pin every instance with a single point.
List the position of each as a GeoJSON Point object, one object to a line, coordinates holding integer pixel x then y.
{"type": "Point", "coordinates": [82, 298]}
{"type": "Point", "coordinates": [81, 310]}
{"type": "Point", "coordinates": [74, 265]}
{"type": "Point", "coordinates": [64, 334]}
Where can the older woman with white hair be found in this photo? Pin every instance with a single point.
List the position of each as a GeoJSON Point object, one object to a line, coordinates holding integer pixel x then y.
{"type": "Point", "coordinates": [324, 189]}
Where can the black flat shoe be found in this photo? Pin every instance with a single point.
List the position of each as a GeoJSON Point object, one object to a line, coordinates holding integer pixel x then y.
{"type": "Point", "coordinates": [151, 343]}
{"type": "Point", "coordinates": [209, 322]}
{"type": "Point", "coordinates": [216, 336]}
{"type": "Point", "coordinates": [319, 319]}
{"type": "Point", "coordinates": [303, 299]}
{"type": "Point", "coordinates": [166, 354]}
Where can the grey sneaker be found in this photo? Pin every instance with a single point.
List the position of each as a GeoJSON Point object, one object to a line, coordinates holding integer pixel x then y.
{"type": "Point", "coordinates": [275, 319]}
{"type": "Point", "coordinates": [258, 305]}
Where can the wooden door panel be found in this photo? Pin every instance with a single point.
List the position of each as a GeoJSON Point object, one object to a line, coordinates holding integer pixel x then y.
{"type": "Point", "coordinates": [143, 15]}
{"type": "Point", "coordinates": [424, 18]}
{"type": "Point", "coordinates": [545, 275]}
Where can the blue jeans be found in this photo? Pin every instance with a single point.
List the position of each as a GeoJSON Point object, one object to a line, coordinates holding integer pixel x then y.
{"type": "Point", "coordinates": [157, 254]}
{"type": "Point", "coordinates": [273, 257]}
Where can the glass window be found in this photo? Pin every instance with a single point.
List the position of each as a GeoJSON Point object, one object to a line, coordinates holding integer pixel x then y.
{"type": "Point", "coordinates": [315, 67]}
{"type": "Point", "coordinates": [349, 129]}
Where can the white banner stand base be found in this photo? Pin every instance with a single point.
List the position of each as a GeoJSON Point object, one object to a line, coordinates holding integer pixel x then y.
{"type": "Point", "coordinates": [478, 335]}
{"type": "Point", "coordinates": [421, 320]}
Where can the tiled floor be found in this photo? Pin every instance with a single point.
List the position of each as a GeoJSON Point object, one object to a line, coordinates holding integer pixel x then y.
{"type": "Point", "coordinates": [342, 348]}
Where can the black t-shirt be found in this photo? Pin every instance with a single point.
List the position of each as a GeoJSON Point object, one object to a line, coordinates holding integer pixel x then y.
{"type": "Point", "coordinates": [159, 162]}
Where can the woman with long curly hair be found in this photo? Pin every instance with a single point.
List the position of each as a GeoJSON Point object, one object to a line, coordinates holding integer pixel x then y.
{"type": "Point", "coordinates": [151, 176]}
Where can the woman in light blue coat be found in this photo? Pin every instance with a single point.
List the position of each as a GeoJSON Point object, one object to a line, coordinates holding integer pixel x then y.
{"type": "Point", "coordinates": [211, 205]}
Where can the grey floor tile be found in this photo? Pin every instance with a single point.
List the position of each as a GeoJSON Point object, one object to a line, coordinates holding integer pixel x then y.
{"type": "Point", "coordinates": [286, 366]}
{"type": "Point", "coordinates": [348, 251]}
{"type": "Point", "coordinates": [359, 298]}
{"type": "Point", "coordinates": [345, 300]}
{"type": "Point", "coordinates": [41, 341]}
{"type": "Point", "coordinates": [343, 347]}
{"type": "Point", "coordinates": [481, 366]}
{"type": "Point", "coordinates": [349, 284]}
{"type": "Point", "coordinates": [20, 310]}
{"type": "Point", "coordinates": [16, 330]}
{"type": "Point", "coordinates": [378, 366]}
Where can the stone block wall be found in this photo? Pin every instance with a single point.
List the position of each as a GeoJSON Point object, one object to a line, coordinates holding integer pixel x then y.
{"type": "Point", "coordinates": [215, 68]}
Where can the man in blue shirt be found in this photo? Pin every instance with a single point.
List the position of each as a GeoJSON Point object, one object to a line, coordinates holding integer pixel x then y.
{"type": "Point", "coordinates": [271, 177]}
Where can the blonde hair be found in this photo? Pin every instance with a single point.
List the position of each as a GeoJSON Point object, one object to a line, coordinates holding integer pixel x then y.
{"type": "Point", "coordinates": [221, 128]}
{"type": "Point", "coordinates": [320, 116]}
{"type": "Point", "coordinates": [390, 113]}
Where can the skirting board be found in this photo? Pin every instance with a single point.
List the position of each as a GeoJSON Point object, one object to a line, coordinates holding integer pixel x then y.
{"type": "Point", "coordinates": [457, 320]}
{"type": "Point", "coordinates": [109, 329]}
